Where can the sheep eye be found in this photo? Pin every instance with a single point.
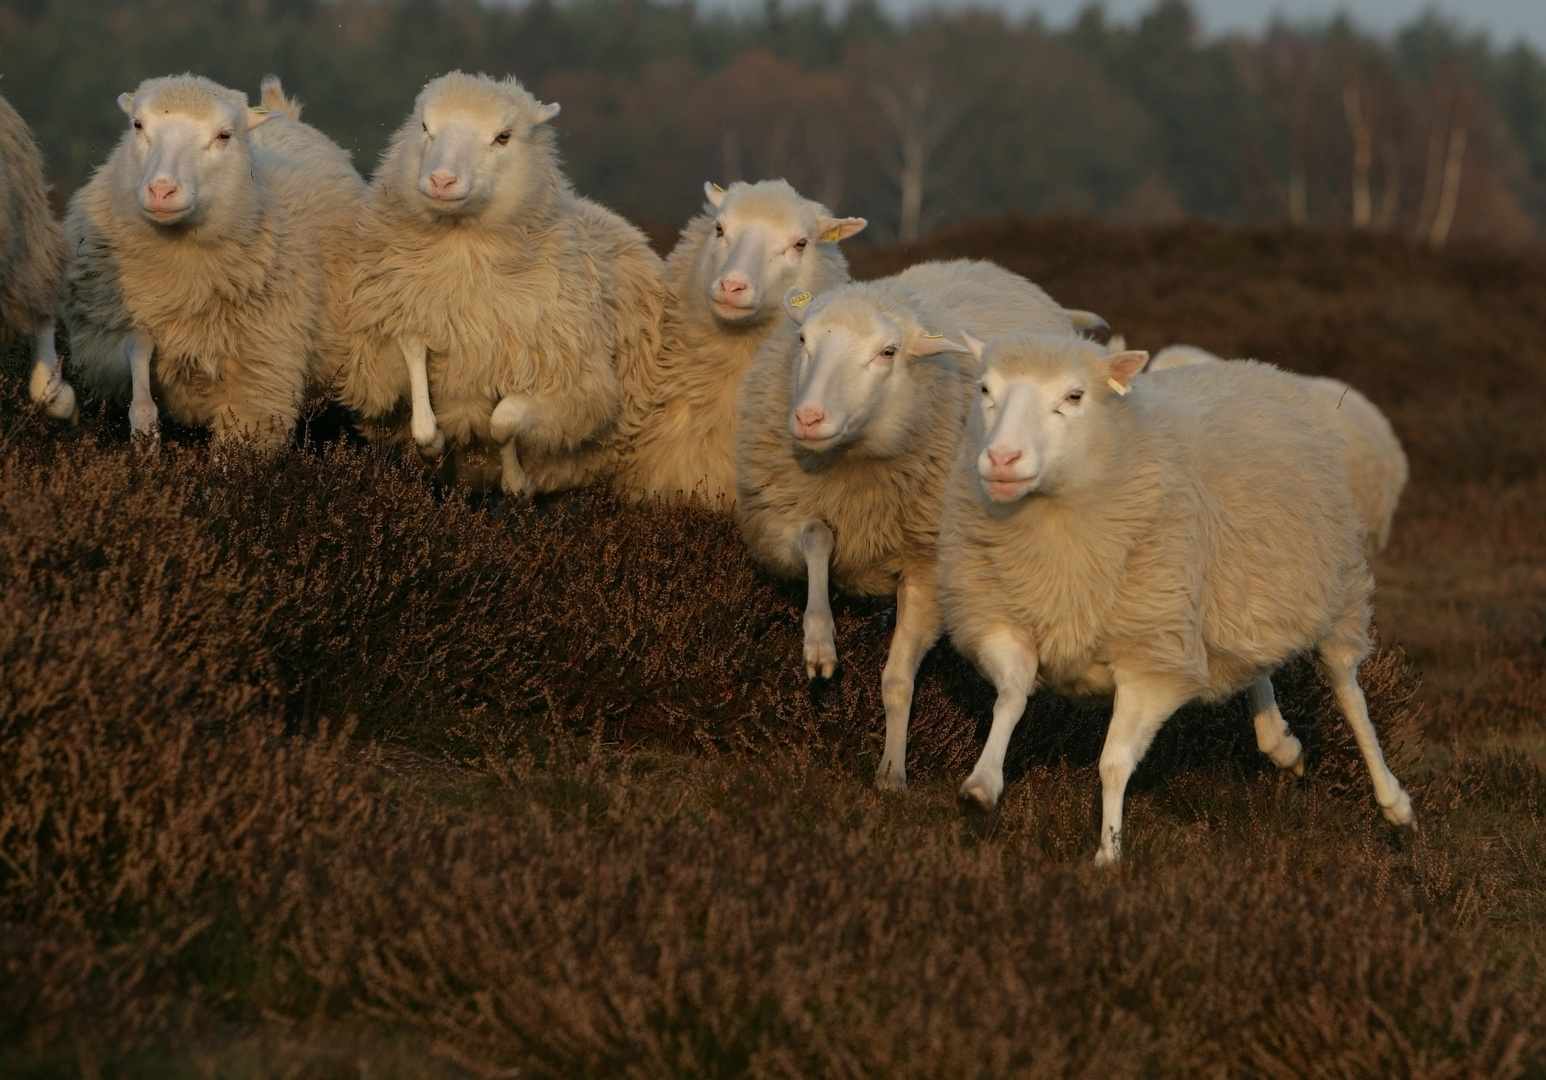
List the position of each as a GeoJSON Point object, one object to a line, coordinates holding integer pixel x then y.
{"type": "Point", "coordinates": [1076, 395]}
{"type": "Point", "coordinates": [425, 126]}
{"type": "Point", "coordinates": [984, 391]}
{"type": "Point", "coordinates": [799, 245]}
{"type": "Point", "coordinates": [224, 136]}
{"type": "Point", "coordinates": [888, 352]}
{"type": "Point", "coordinates": [503, 138]}
{"type": "Point", "coordinates": [138, 126]}
{"type": "Point", "coordinates": [802, 339]}
{"type": "Point", "coordinates": [719, 230]}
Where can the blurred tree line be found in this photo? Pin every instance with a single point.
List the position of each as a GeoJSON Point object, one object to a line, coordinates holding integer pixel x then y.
{"type": "Point", "coordinates": [913, 124]}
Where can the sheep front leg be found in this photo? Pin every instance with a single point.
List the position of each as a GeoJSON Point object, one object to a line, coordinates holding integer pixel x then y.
{"type": "Point", "coordinates": [511, 415]}
{"type": "Point", "coordinates": [1272, 735]}
{"type": "Point", "coordinates": [427, 435]}
{"type": "Point", "coordinates": [1141, 708]}
{"type": "Point", "coordinates": [1009, 662]}
{"type": "Point", "coordinates": [816, 546]}
{"type": "Point", "coordinates": [48, 387]}
{"type": "Point", "coordinates": [144, 418]}
{"type": "Point", "coordinates": [1341, 666]}
{"type": "Point", "coordinates": [917, 628]}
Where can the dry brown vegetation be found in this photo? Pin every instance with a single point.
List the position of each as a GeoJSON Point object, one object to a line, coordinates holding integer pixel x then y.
{"type": "Point", "coordinates": [308, 770]}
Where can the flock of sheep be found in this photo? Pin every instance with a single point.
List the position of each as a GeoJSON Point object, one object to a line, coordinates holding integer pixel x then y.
{"type": "Point", "coordinates": [1144, 531]}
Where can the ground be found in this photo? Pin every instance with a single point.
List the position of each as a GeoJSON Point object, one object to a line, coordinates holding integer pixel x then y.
{"type": "Point", "coordinates": [309, 770]}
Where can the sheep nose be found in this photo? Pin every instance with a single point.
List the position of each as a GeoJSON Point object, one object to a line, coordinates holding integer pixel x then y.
{"type": "Point", "coordinates": [441, 181]}
{"type": "Point", "coordinates": [808, 416]}
{"type": "Point", "coordinates": [730, 287]}
{"type": "Point", "coordinates": [161, 189]}
{"type": "Point", "coordinates": [1002, 458]}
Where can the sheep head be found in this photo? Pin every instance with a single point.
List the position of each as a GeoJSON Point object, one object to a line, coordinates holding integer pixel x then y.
{"type": "Point", "coordinates": [765, 239]}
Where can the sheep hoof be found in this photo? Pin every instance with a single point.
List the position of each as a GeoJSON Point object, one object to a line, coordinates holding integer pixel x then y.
{"type": "Point", "coordinates": [1400, 811]}
{"type": "Point", "coordinates": [434, 449]}
{"type": "Point", "coordinates": [975, 797]}
{"type": "Point", "coordinates": [888, 778]}
{"type": "Point", "coordinates": [57, 397]}
{"type": "Point", "coordinates": [820, 647]}
{"type": "Point", "coordinates": [1296, 767]}
{"type": "Point", "coordinates": [1105, 856]}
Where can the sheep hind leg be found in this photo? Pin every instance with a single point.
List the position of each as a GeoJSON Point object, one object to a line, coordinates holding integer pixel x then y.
{"type": "Point", "coordinates": [1340, 664]}
{"type": "Point", "coordinates": [816, 545]}
{"type": "Point", "coordinates": [1139, 711]}
{"type": "Point", "coordinates": [144, 417]}
{"type": "Point", "coordinates": [47, 386]}
{"type": "Point", "coordinates": [917, 628]}
{"type": "Point", "coordinates": [510, 416]}
{"type": "Point", "coordinates": [1272, 735]}
{"type": "Point", "coordinates": [1010, 664]}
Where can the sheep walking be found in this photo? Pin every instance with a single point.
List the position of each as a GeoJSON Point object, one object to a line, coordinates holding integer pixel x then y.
{"type": "Point", "coordinates": [518, 321]}
{"type": "Point", "coordinates": [31, 262]}
{"type": "Point", "coordinates": [1150, 543]}
{"type": "Point", "coordinates": [724, 282]}
{"type": "Point", "coordinates": [207, 261]}
{"type": "Point", "coordinates": [1377, 470]}
{"type": "Point", "coordinates": [849, 425]}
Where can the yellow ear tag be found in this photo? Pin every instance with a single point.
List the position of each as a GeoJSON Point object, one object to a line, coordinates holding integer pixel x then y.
{"type": "Point", "coordinates": [933, 337]}
{"type": "Point", "coordinates": [800, 299]}
{"type": "Point", "coordinates": [719, 189]}
{"type": "Point", "coordinates": [1119, 388]}
{"type": "Point", "coordinates": [832, 235]}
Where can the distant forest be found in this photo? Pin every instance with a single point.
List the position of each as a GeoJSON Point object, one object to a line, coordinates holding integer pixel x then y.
{"type": "Point", "coordinates": [912, 124]}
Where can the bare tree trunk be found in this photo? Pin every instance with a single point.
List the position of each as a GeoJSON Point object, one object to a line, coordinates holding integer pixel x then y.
{"type": "Point", "coordinates": [1454, 163]}
{"type": "Point", "coordinates": [1434, 167]}
{"type": "Point", "coordinates": [920, 121]}
{"type": "Point", "coordinates": [1390, 192]}
{"type": "Point", "coordinates": [1363, 148]}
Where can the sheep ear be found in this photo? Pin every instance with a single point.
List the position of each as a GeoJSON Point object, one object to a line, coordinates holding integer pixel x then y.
{"type": "Point", "coordinates": [796, 301]}
{"type": "Point", "coordinates": [973, 346]}
{"type": "Point", "coordinates": [126, 103]}
{"type": "Point", "coordinates": [834, 229]}
{"type": "Point", "coordinates": [928, 343]}
{"type": "Point", "coordinates": [714, 194]}
{"type": "Point", "coordinates": [1086, 321]}
{"type": "Point", "coordinates": [1121, 367]}
{"type": "Point", "coordinates": [256, 116]}
{"type": "Point", "coordinates": [547, 112]}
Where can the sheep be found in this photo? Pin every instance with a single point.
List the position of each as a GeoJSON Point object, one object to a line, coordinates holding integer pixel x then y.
{"type": "Point", "coordinates": [847, 431]}
{"type": "Point", "coordinates": [1149, 544]}
{"type": "Point", "coordinates": [520, 321]}
{"type": "Point", "coordinates": [215, 240]}
{"type": "Point", "coordinates": [1376, 464]}
{"type": "Point", "coordinates": [31, 262]}
{"type": "Point", "coordinates": [724, 282]}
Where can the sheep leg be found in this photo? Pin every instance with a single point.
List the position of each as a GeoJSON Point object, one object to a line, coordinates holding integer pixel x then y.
{"type": "Point", "coordinates": [1272, 735]}
{"type": "Point", "coordinates": [816, 546]}
{"type": "Point", "coordinates": [510, 416]}
{"type": "Point", "coordinates": [1341, 666]}
{"type": "Point", "coordinates": [144, 418]}
{"type": "Point", "coordinates": [48, 387]}
{"type": "Point", "coordinates": [1140, 710]}
{"type": "Point", "coordinates": [1009, 662]}
{"type": "Point", "coordinates": [427, 435]}
{"type": "Point", "coordinates": [917, 628]}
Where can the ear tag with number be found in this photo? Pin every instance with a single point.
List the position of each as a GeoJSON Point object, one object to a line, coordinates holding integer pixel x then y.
{"type": "Point", "coordinates": [800, 299]}
{"type": "Point", "coordinates": [832, 235]}
{"type": "Point", "coordinates": [1119, 388]}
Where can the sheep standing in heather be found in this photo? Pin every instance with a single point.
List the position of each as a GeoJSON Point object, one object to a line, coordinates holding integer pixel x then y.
{"type": "Point", "coordinates": [207, 259]}
{"type": "Point", "coordinates": [31, 262]}
{"type": "Point", "coordinates": [1151, 544]}
{"type": "Point", "coordinates": [519, 321]}
{"type": "Point", "coordinates": [848, 428]}
{"type": "Point", "coordinates": [724, 282]}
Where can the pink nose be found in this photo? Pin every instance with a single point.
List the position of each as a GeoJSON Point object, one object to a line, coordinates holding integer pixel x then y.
{"type": "Point", "coordinates": [808, 416]}
{"type": "Point", "coordinates": [1002, 459]}
{"type": "Point", "coordinates": [732, 288]}
{"type": "Point", "coordinates": [161, 190]}
{"type": "Point", "coordinates": [442, 182]}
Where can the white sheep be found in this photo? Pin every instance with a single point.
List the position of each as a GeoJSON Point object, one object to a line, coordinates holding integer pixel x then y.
{"type": "Point", "coordinates": [1150, 543]}
{"type": "Point", "coordinates": [31, 262]}
{"type": "Point", "coordinates": [520, 321]}
{"type": "Point", "coordinates": [724, 282]}
{"type": "Point", "coordinates": [847, 431]}
{"type": "Point", "coordinates": [215, 241]}
{"type": "Point", "coordinates": [1377, 470]}
{"type": "Point", "coordinates": [1376, 464]}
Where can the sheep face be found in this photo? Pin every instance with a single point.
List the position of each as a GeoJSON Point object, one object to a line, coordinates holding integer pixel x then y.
{"type": "Point", "coordinates": [474, 147]}
{"type": "Point", "coordinates": [765, 237]}
{"type": "Point", "coordinates": [850, 380]}
{"type": "Point", "coordinates": [1042, 417]}
{"type": "Point", "coordinates": [186, 150]}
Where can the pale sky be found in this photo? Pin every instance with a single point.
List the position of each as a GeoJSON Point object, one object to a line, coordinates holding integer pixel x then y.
{"type": "Point", "coordinates": [1504, 20]}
